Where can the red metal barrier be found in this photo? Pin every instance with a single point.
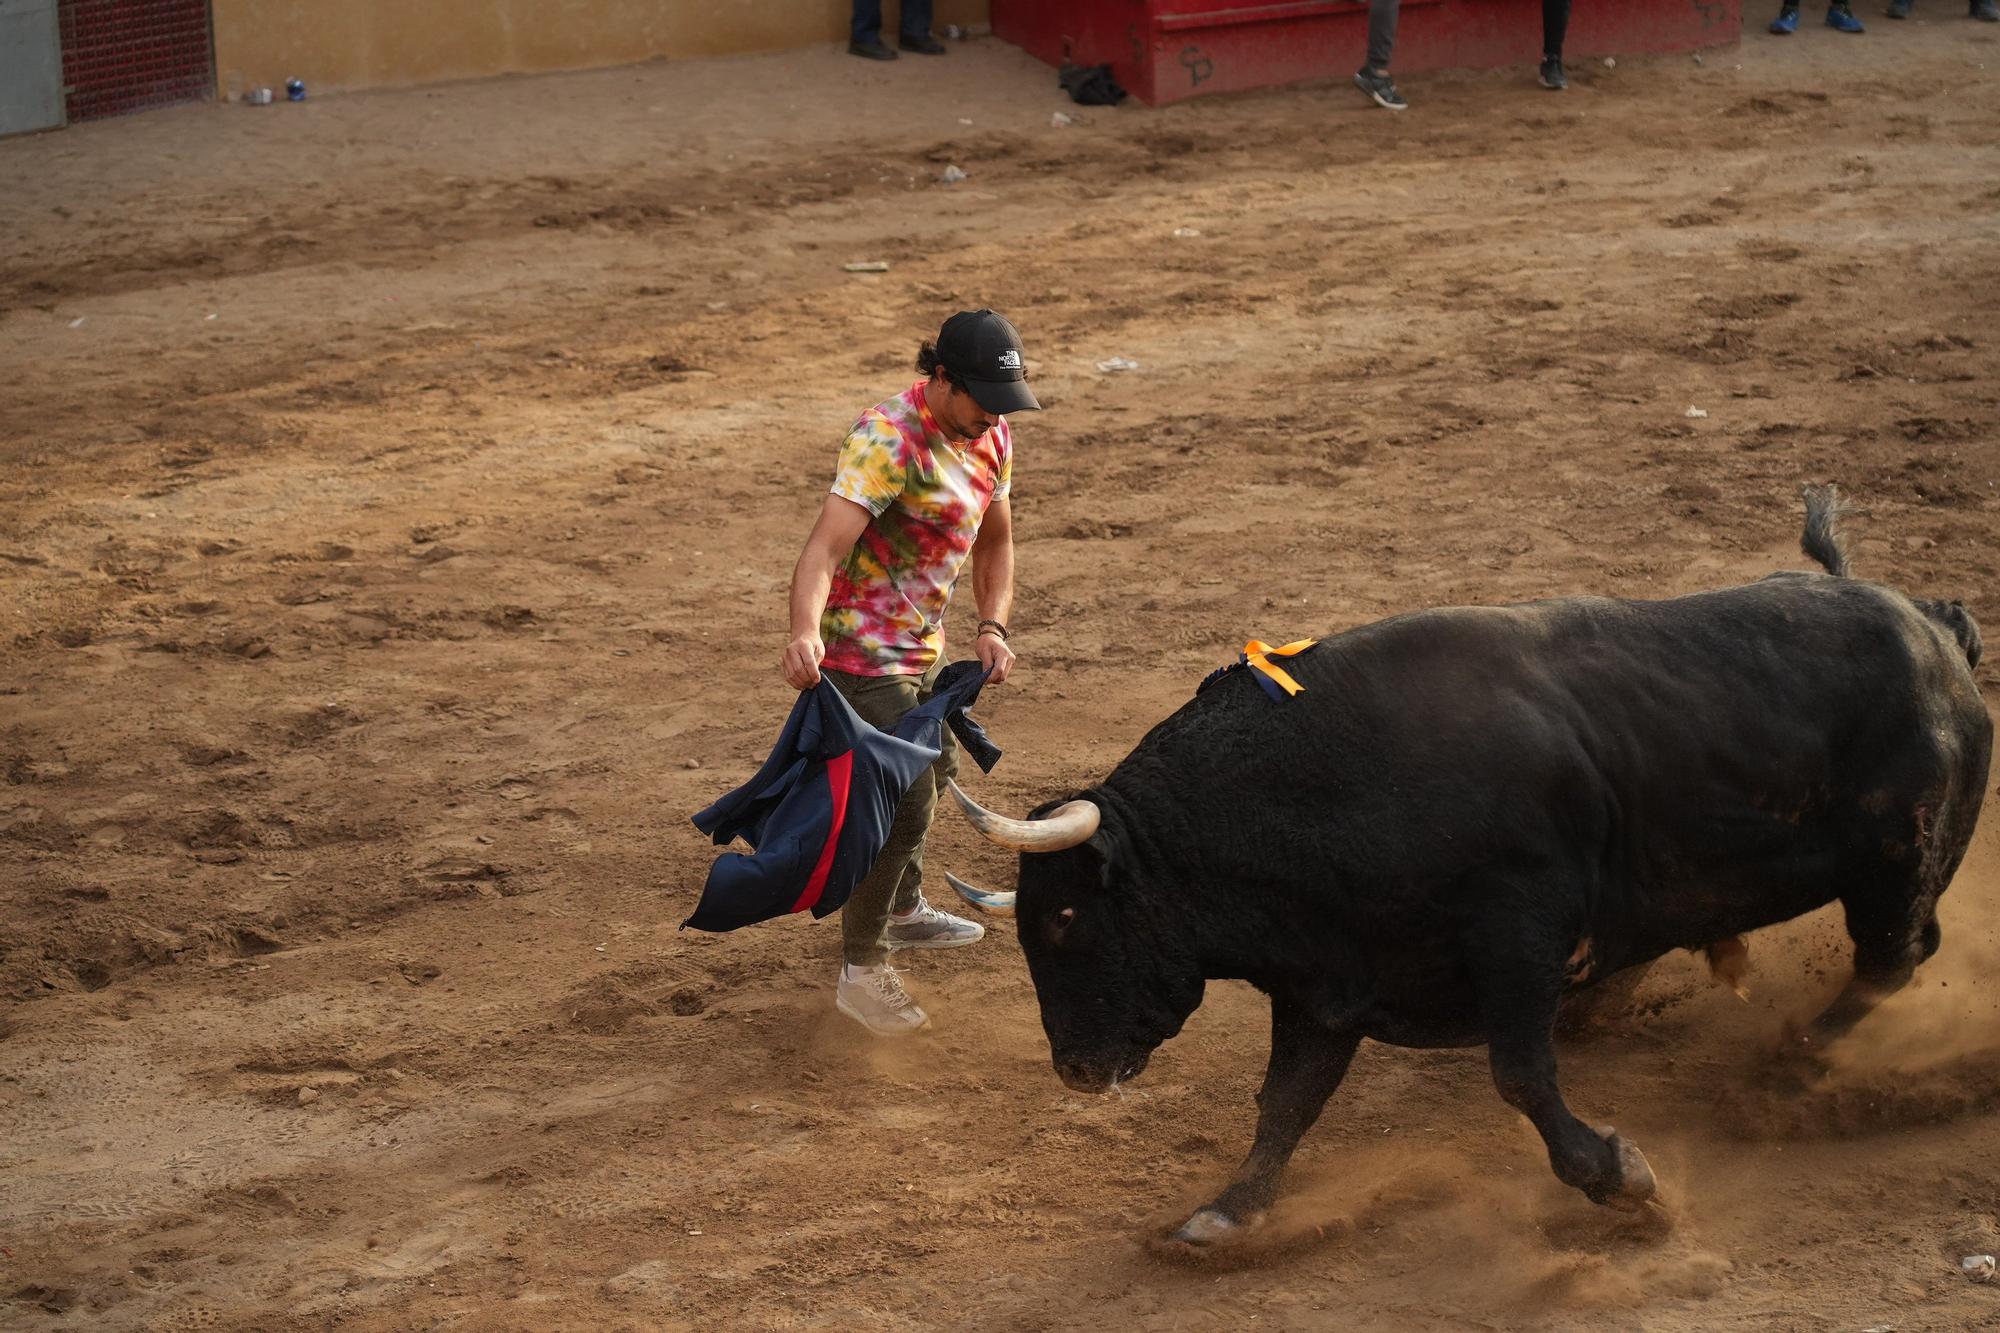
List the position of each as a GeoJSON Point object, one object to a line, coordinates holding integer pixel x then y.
{"type": "Point", "coordinates": [132, 55]}
{"type": "Point", "coordinates": [1166, 50]}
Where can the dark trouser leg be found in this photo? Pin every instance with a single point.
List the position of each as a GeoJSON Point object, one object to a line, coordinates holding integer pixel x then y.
{"type": "Point", "coordinates": [1555, 26]}
{"type": "Point", "coordinates": [1382, 16]}
{"type": "Point", "coordinates": [1308, 1060]}
{"type": "Point", "coordinates": [895, 880]}
{"type": "Point", "coordinates": [866, 28]}
{"type": "Point", "coordinates": [916, 19]}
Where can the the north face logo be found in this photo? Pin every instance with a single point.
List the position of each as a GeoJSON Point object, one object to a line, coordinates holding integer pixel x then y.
{"type": "Point", "coordinates": [1010, 360]}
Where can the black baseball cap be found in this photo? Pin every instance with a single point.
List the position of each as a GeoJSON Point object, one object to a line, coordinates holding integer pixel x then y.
{"type": "Point", "coordinates": [983, 352]}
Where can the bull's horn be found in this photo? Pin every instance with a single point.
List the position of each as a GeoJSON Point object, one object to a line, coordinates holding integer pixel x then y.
{"type": "Point", "coordinates": [986, 900]}
{"type": "Point", "coordinates": [1065, 826]}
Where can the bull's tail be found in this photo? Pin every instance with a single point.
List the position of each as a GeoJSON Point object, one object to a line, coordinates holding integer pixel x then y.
{"type": "Point", "coordinates": [1824, 509]}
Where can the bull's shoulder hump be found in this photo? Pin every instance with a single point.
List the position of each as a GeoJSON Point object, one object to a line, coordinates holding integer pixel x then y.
{"type": "Point", "coordinates": [1777, 606]}
{"type": "Point", "coordinates": [1792, 592]}
{"type": "Point", "coordinates": [1505, 620]}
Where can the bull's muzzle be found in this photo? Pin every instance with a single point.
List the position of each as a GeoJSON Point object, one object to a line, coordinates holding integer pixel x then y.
{"type": "Point", "coordinates": [1099, 1077]}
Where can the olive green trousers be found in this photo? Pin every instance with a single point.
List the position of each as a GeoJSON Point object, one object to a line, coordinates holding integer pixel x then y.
{"type": "Point", "coordinates": [896, 880]}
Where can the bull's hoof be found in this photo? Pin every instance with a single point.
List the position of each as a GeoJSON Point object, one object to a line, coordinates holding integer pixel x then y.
{"type": "Point", "coordinates": [1799, 1064]}
{"type": "Point", "coordinates": [1208, 1228]}
{"type": "Point", "coordinates": [1636, 1183]}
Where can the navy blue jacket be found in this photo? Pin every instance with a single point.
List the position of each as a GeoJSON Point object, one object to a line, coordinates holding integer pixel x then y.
{"type": "Point", "coordinates": [818, 811]}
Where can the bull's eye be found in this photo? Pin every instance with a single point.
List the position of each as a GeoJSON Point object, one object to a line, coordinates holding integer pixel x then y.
{"type": "Point", "coordinates": [1060, 925]}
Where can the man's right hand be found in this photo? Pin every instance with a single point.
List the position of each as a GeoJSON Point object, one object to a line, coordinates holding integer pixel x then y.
{"type": "Point", "coordinates": [801, 662]}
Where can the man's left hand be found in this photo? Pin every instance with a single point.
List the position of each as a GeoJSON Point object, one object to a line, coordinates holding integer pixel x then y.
{"type": "Point", "coordinates": [993, 654]}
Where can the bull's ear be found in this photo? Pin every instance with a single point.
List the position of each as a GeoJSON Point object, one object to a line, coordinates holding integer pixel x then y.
{"type": "Point", "coordinates": [1106, 846]}
{"type": "Point", "coordinates": [1102, 846]}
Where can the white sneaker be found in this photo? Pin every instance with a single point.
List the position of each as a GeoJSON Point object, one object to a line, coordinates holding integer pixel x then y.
{"type": "Point", "coordinates": [874, 997]}
{"type": "Point", "coordinates": [929, 928]}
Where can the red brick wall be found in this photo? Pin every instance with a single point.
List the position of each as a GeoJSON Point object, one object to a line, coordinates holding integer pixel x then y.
{"type": "Point", "coordinates": [129, 55]}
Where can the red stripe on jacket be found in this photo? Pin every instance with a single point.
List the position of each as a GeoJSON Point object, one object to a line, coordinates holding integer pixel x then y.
{"type": "Point", "coordinates": [839, 778]}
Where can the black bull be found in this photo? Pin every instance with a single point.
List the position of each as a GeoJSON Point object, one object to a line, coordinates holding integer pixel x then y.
{"type": "Point", "coordinates": [1471, 812]}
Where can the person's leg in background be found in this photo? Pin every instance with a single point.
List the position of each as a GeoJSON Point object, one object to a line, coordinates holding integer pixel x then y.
{"type": "Point", "coordinates": [914, 31]}
{"type": "Point", "coordinates": [1555, 27]}
{"type": "Point", "coordinates": [1839, 17]}
{"type": "Point", "coordinates": [1382, 18]}
{"type": "Point", "coordinates": [864, 32]}
{"type": "Point", "coordinates": [1374, 76]}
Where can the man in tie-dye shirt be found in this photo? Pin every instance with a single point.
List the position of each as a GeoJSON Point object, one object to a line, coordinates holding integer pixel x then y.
{"type": "Point", "coordinates": [922, 485]}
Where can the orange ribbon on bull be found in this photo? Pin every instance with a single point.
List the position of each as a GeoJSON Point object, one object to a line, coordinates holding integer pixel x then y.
{"type": "Point", "coordinates": [1258, 654]}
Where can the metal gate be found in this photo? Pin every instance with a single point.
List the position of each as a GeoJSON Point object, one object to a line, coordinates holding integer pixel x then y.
{"type": "Point", "coordinates": [133, 55]}
{"type": "Point", "coordinates": [31, 78]}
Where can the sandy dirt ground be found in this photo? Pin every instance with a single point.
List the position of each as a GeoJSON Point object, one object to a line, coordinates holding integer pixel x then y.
{"type": "Point", "coordinates": [397, 496]}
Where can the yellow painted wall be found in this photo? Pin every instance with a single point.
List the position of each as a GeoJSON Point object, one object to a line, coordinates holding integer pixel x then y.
{"type": "Point", "coordinates": [371, 43]}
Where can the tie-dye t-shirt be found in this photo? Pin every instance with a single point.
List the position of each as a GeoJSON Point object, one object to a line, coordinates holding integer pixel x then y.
{"type": "Point", "coordinates": [885, 613]}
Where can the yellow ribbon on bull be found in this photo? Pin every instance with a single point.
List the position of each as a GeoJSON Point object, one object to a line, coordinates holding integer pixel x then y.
{"type": "Point", "coordinates": [1258, 654]}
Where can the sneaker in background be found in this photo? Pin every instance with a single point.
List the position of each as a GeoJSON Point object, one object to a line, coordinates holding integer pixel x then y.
{"type": "Point", "coordinates": [1379, 87]}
